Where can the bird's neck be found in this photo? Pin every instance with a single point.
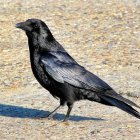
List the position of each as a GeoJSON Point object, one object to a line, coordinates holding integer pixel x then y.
{"type": "Point", "coordinates": [43, 43]}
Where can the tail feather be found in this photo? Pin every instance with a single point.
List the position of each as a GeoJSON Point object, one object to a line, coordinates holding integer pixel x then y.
{"type": "Point", "coordinates": [113, 94]}
{"type": "Point", "coordinates": [120, 104]}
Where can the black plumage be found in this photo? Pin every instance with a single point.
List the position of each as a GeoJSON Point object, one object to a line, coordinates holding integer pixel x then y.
{"type": "Point", "coordinates": [62, 76]}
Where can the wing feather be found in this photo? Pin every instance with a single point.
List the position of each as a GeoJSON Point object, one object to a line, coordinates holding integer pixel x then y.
{"type": "Point", "coordinates": [72, 73]}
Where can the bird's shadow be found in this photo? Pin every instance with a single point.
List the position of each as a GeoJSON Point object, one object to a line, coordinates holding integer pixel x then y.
{"type": "Point", "coordinates": [22, 112]}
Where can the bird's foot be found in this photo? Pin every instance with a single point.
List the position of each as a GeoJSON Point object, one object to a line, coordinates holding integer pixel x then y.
{"type": "Point", "coordinates": [41, 116]}
{"type": "Point", "coordinates": [66, 119]}
{"type": "Point", "coordinates": [50, 118]}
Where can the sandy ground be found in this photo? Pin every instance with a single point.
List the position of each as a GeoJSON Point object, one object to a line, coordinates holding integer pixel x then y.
{"type": "Point", "coordinates": [21, 113]}
{"type": "Point", "coordinates": [103, 36]}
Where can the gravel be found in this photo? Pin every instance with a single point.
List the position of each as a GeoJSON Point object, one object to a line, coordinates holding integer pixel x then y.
{"type": "Point", "coordinates": [103, 36]}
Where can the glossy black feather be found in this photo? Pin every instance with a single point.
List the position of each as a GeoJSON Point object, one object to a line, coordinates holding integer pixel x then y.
{"type": "Point", "coordinates": [62, 76]}
{"type": "Point", "coordinates": [61, 67]}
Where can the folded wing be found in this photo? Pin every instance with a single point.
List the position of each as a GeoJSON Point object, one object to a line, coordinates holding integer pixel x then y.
{"type": "Point", "coordinates": [72, 73]}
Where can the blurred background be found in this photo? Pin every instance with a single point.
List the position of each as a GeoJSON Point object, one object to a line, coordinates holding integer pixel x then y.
{"type": "Point", "coordinates": [102, 35]}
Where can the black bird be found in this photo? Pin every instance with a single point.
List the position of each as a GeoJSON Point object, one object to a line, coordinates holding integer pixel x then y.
{"type": "Point", "coordinates": [62, 76]}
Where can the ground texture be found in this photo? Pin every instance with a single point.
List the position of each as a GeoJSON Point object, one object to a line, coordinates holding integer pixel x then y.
{"type": "Point", "coordinates": [103, 36]}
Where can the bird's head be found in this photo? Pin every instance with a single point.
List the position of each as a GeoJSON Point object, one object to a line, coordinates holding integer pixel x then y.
{"type": "Point", "coordinates": [35, 27]}
{"type": "Point", "coordinates": [31, 25]}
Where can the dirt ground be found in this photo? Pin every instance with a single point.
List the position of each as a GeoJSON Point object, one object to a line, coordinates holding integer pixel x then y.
{"type": "Point", "coordinates": [103, 36]}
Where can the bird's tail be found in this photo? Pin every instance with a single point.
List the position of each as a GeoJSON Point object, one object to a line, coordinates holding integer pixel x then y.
{"type": "Point", "coordinates": [117, 100]}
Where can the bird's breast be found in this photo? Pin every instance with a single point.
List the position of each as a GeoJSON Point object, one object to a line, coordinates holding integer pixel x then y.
{"type": "Point", "coordinates": [38, 72]}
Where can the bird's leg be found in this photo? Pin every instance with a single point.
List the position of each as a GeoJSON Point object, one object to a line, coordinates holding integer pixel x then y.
{"type": "Point", "coordinates": [68, 112]}
{"type": "Point", "coordinates": [52, 113]}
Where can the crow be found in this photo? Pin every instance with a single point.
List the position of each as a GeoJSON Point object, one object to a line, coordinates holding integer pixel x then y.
{"type": "Point", "coordinates": [62, 76]}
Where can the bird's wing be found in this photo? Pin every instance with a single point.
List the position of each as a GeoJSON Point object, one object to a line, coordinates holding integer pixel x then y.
{"type": "Point", "coordinates": [72, 73]}
{"type": "Point", "coordinates": [78, 76]}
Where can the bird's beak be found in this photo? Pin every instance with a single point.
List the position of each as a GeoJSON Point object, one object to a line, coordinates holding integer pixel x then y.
{"type": "Point", "coordinates": [24, 26]}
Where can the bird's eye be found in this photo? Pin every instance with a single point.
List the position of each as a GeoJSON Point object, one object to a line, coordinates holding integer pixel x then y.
{"type": "Point", "coordinates": [35, 26]}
